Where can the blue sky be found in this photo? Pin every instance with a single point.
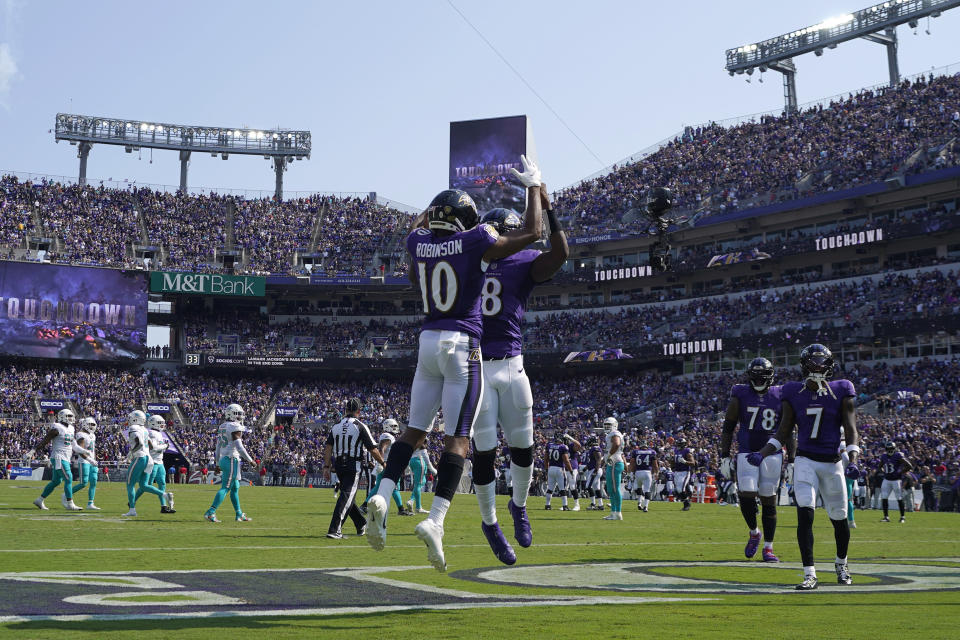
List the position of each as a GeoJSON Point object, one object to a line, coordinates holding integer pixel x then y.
{"type": "Point", "coordinates": [378, 82]}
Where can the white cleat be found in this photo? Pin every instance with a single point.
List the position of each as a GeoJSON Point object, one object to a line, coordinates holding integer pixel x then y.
{"type": "Point", "coordinates": [432, 535]}
{"type": "Point", "coordinates": [92, 506]}
{"type": "Point", "coordinates": [576, 506]}
{"type": "Point", "coordinates": [614, 515]}
{"type": "Point", "coordinates": [38, 503]}
{"type": "Point", "coordinates": [376, 522]}
{"type": "Point", "coordinates": [132, 513]}
{"type": "Point", "coordinates": [410, 505]}
{"type": "Point", "coordinates": [63, 501]}
{"type": "Point", "coordinates": [71, 506]}
{"type": "Point", "coordinates": [169, 497]}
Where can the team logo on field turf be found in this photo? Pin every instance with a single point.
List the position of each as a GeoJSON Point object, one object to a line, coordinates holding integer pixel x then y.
{"type": "Point", "coordinates": [264, 592]}
{"type": "Point", "coordinates": [715, 577]}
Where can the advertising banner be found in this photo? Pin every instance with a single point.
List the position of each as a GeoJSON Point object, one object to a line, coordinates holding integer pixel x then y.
{"type": "Point", "coordinates": [215, 284]}
{"type": "Point", "coordinates": [76, 313]}
{"type": "Point", "coordinates": [157, 408]}
{"type": "Point", "coordinates": [482, 152]}
{"type": "Point", "coordinates": [286, 412]}
{"type": "Point", "coordinates": [596, 355]}
{"type": "Point", "coordinates": [52, 405]}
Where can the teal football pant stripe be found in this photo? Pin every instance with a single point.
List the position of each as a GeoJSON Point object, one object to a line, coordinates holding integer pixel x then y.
{"type": "Point", "coordinates": [136, 475]}
{"type": "Point", "coordinates": [88, 476]}
{"type": "Point", "coordinates": [416, 467]}
{"type": "Point", "coordinates": [850, 483]}
{"type": "Point", "coordinates": [614, 479]}
{"type": "Point", "coordinates": [396, 494]}
{"type": "Point", "coordinates": [157, 477]}
{"type": "Point", "coordinates": [61, 473]}
{"type": "Point", "coordinates": [229, 483]}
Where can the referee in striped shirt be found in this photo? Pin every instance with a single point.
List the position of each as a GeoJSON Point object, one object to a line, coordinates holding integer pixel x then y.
{"type": "Point", "coordinates": [344, 453]}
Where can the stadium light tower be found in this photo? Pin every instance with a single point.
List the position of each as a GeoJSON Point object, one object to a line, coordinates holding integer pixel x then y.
{"type": "Point", "coordinates": [876, 24]}
{"type": "Point", "coordinates": [280, 146]}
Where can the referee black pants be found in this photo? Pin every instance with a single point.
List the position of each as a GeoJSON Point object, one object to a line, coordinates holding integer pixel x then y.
{"type": "Point", "coordinates": [348, 473]}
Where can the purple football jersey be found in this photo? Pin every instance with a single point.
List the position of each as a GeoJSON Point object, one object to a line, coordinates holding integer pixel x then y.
{"type": "Point", "coordinates": [506, 287]}
{"type": "Point", "coordinates": [892, 466]}
{"type": "Point", "coordinates": [555, 452]}
{"type": "Point", "coordinates": [818, 417]}
{"type": "Point", "coordinates": [449, 272]}
{"type": "Point", "coordinates": [574, 460]}
{"type": "Point", "coordinates": [679, 459]}
{"type": "Point", "coordinates": [591, 463]}
{"type": "Point", "coordinates": [759, 416]}
{"type": "Point", "coordinates": [643, 458]}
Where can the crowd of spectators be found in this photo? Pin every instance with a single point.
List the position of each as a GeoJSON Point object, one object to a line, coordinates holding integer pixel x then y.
{"type": "Point", "coordinates": [714, 169]}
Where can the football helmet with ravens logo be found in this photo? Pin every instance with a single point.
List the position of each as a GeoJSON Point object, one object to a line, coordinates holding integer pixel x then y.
{"type": "Point", "coordinates": [452, 210]}
{"type": "Point", "coordinates": [760, 374]}
{"type": "Point", "coordinates": [503, 220]}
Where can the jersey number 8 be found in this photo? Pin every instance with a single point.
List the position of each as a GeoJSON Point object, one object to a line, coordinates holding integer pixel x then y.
{"type": "Point", "coordinates": [490, 297]}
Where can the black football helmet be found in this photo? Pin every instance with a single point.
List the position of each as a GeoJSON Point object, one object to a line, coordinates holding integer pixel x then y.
{"type": "Point", "coordinates": [659, 200]}
{"type": "Point", "coordinates": [760, 374]}
{"type": "Point", "coordinates": [680, 443]}
{"type": "Point", "coordinates": [816, 359]}
{"type": "Point", "coordinates": [890, 446]}
{"type": "Point", "coordinates": [558, 436]}
{"type": "Point", "coordinates": [503, 220]}
{"type": "Point", "coordinates": [452, 210]}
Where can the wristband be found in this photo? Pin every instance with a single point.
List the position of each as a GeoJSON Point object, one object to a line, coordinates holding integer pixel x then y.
{"type": "Point", "coordinates": [851, 448]}
{"type": "Point", "coordinates": [775, 443]}
{"type": "Point", "coordinates": [554, 223]}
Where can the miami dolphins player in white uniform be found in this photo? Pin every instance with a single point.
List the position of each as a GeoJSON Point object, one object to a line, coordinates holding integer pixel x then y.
{"type": "Point", "coordinates": [158, 476]}
{"type": "Point", "coordinates": [89, 472]}
{"type": "Point", "coordinates": [613, 461]}
{"type": "Point", "coordinates": [61, 434]}
{"type": "Point", "coordinates": [230, 450]}
{"type": "Point", "coordinates": [419, 466]}
{"type": "Point", "coordinates": [140, 463]}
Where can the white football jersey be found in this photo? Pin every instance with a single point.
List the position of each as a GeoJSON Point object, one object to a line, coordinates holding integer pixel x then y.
{"type": "Point", "coordinates": [226, 445]}
{"type": "Point", "coordinates": [135, 433]}
{"type": "Point", "coordinates": [618, 456]}
{"type": "Point", "coordinates": [423, 456]}
{"type": "Point", "coordinates": [62, 446]}
{"type": "Point", "coordinates": [388, 437]}
{"type": "Point", "coordinates": [158, 441]}
{"type": "Point", "coordinates": [87, 440]}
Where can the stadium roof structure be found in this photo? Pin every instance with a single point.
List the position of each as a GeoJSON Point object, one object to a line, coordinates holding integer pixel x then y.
{"type": "Point", "coordinates": [877, 23]}
{"type": "Point", "coordinates": [281, 146]}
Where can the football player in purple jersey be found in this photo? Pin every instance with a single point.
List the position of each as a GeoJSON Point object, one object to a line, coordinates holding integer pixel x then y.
{"type": "Point", "coordinates": [755, 407]}
{"type": "Point", "coordinates": [645, 467]}
{"type": "Point", "coordinates": [507, 398]}
{"type": "Point", "coordinates": [594, 471]}
{"type": "Point", "coordinates": [824, 413]}
{"type": "Point", "coordinates": [447, 260]}
{"type": "Point", "coordinates": [558, 464]}
{"type": "Point", "coordinates": [892, 465]}
{"type": "Point", "coordinates": [683, 467]}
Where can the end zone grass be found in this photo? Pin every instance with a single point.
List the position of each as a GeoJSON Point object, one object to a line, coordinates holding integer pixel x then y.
{"type": "Point", "coordinates": [288, 530]}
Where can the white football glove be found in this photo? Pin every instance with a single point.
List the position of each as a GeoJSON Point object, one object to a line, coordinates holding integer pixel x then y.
{"type": "Point", "coordinates": [531, 173]}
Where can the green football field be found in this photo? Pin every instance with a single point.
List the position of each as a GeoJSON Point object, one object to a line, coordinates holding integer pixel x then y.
{"type": "Point", "coordinates": [97, 575]}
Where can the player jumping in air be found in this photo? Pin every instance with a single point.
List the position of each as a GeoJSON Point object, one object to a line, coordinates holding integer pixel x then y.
{"type": "Point", "coordinates": [448, 259]}
{"type": "Point", "coordinates": [755, 407]}
{"type": "Point", "coordinates": [823, 412]}
{"type": "Point", "coordinates": [61, 435]}
{"type": "Point", "coordinates": [230, 450]}
{"type": "Point", "coordinates": [507, 398]}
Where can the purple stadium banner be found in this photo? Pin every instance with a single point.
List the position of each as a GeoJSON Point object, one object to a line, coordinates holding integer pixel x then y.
{"type": "Point", "coordinates": [75, 313]}
{"type": "Point", "coordinates": [482, 152]}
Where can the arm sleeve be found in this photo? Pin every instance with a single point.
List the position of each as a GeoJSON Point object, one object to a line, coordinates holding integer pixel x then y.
{"type": "Point", "coordinates": [242, 450]}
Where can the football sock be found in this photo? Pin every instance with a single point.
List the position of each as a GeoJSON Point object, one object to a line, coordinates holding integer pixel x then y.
{"type": "Point", "coordinates": [748, 508]}
{"type": "Point", "coordinates": [900, 504]}
{"type": "Point", "coordinates": [841, 532]}
{"type": "Point", "coordinates": [438, 510]}
{"type": "Point", "coordinates": [768, 545]}
{"type": "Point", "coordinates": [397, 461]}
{"type": "Point", "coordinates": [549, 496]}
{"type": "Point", "coordinates": [449, 472]}
{"type": "Point", "coordinates": [521, 483]}
{"type": "Point", "coordinates": [805, 536]}
{"type": "Point", "coordinates": [769, 519]}
{"type": "Point", "coordinates": [839, 560]}
{"type": "Point", "coordinates": [886, 508]}
{"type": "Point", "coordinates": [487, 497]}
{"type": "Point", "coordinates": [563, 497]}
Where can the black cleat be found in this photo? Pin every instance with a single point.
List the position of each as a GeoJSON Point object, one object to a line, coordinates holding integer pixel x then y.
{"type": "Point", "coordinates": [547, 508]}
{"type": "Point", "coordinates": [564, 508]}
{"type": "Point", "coordinates": [167, 510]}
{"type": "Point", "coordinates": [809, 583]}
{"type": "Point", "coordinates": [843, 576]}
{"type": "Point", "coordinates": [362, 530]}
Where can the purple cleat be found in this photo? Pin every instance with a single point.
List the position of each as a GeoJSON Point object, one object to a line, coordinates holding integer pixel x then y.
{"type": "Point", "coordinates": [752, 545]}
{"type": "Point", "coordinates": [768, 556]}
{"type": "Point", "coordinates": [498, 543]}
{"type": "Point", "coordinates": [521, 524]}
